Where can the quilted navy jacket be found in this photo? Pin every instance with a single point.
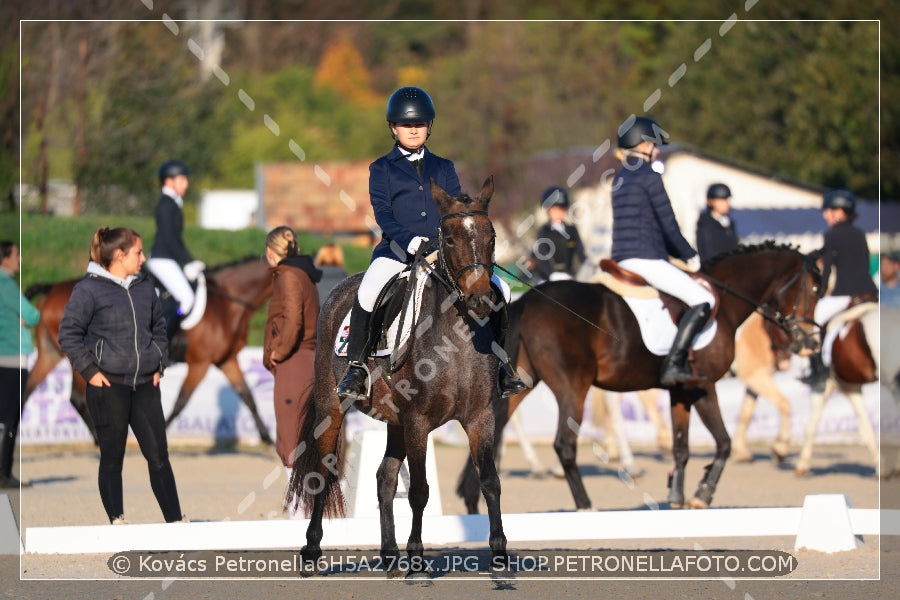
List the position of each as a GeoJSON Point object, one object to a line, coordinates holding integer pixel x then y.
{"type": "Point", "coordinates": [644, 224]}
{"type": "Point", "coordinates": [118, 330]}
{"type": "Point", "coordinates": [402, 201]}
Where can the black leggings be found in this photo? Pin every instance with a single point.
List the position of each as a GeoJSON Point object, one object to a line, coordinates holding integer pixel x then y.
{"type": "Point", "coordinates": [12, 382]}
{"type": "Point", "coordinates": [113, 409]}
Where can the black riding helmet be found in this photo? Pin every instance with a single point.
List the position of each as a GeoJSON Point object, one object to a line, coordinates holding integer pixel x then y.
{"type": "Point", "coordinates": [718, 190]}
{"type": "Point", "coordinates": [839, 198]}
{"type": "Point", "coordinates": [554, 196]}
{"type": "Point", "coordinates": [172, 168]}
{"type": "Point", "coordinates": [410, 105]}
{"type": "Point", "coordinates": [637, 129]}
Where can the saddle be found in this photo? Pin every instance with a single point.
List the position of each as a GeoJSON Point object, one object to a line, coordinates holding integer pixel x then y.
{"type": "Point", "coordinates": [394, 316]}
{"type": "Point", "coordinates": [629, 284]}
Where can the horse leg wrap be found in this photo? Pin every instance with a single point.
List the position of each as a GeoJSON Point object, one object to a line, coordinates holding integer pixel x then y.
{"type": "Point", "coordinates": [676, 488]}
{"type": "Point", "coordinates": [707, 486]}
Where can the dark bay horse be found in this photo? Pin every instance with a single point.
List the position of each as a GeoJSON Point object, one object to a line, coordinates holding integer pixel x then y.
{"type": "Point", "coordinates": [234, 292]}
{"type": "Point", "coordinates": [855, 354]}
{"type": "Point", "coordinates": [573, 335]}
{"type": "Point", "coordinates": [450, 372]}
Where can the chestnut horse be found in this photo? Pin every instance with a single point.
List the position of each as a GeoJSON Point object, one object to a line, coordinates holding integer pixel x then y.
{"type": "Point", "coordinates": [573, 335]}
{"type": "Point", "coordinates": [234, 292]}
{"type": "Point", "coordinates": [449, 373]}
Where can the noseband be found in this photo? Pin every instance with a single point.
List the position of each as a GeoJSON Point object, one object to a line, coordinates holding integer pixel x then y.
{"type": "Point", "coordinates": [453, 278]}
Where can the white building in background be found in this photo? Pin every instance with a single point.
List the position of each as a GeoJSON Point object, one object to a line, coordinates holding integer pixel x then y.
{"type": "Point", "coordinates": [229, 209]}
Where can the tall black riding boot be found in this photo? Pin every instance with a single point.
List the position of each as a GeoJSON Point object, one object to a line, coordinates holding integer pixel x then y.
{"type": "Point", "coordinates": [353, 385]}
{"type": "Point", "coordinates": [817, 374]}
{"type": "Point", "coordinates": [675, 368]}
{"type": "Point", "coordinates": [508, 380]}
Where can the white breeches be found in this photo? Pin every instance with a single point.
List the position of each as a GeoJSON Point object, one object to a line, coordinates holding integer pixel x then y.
{"type": "Point", "coordinates": [380, 272]}
{"type": "Point", "coordinates": [829, 306]}
{"type": "Point", "coordinates": [172, 277]}
{"type": "Point", "coordinates": [668, 278]}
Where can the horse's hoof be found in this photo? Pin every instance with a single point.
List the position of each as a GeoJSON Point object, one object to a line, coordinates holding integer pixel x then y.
{"type": "Point", "coordinates": [635, 472]}
{"type": "Point", "coordinates": [501, 573]}
{"type": "Point", "coordinates": [418, 577]}
{"type": "Point", "coordinates": [741, 455]}
{"type": "Point", "coordinates": [698, 503]}
{"type": "Point", "coordinates": [802, 472]}
{"type": "Point", "coordinates": [780, 450]}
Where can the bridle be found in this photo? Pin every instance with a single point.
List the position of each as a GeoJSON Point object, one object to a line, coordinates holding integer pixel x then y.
{"type": "Point", "coordinates": [791, 323]}
{"type": "Point", "coordinates": [453, 278]}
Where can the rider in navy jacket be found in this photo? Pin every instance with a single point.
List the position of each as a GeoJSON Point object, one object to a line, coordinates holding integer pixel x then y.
{"type": "Point", "coordinates": [645, 233]}
{"type": "Point", "coordinates": [402, 200]}
{"type": "Point", "coordinates": [400, 192]}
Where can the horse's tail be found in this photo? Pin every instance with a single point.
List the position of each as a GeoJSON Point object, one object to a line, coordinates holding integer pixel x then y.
{"type": "Point", "coordinates": [314, 474]}
{"type": "Point", "coordinates": [38, 289]}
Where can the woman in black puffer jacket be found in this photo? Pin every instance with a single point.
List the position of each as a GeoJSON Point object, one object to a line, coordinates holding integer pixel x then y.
{"type": "Point", "coordinates": [114, 334]}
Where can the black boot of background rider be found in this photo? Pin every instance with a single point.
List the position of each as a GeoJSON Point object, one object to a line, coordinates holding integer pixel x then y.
{"type": "Point", "coordinates": [508, 380]}
{"type": "Point", "coordinates": [675, 368]}
{"type": "Point", "coordinates": [177, 342]}
{"type": "Point", "coordinates": [817, 374]}
{"type": "Point", "coordinates": [354, 382]}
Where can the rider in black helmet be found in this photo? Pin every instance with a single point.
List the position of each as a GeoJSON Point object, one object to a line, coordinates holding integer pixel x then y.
{"type": "Point", "coordinates": [170, 261]}
{"type": "Point", "coordinates": [716, 232]}
{"type": "Point", "coordinates": [557, 252]}
{"type": "Point", "coordinates": [400, 192]}
{"type": "Point", "coordinates": [846, 252]}
{"type": "Point", "coordinates": [645, 233]}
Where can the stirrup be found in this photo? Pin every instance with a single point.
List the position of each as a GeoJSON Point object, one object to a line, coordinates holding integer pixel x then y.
{"type": "Point", "coordinates": [343, 388]}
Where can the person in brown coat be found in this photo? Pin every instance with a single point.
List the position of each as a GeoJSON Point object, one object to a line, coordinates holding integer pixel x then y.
{"type": "Point", "coordinates": [290, 337]}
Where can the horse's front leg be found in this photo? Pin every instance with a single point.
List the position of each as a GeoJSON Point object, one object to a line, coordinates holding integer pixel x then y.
{"type": "Point", "coordinates": [681, 417]}
{"type": "Point", "coordinates": [386, 478]}
{"type": "Point", "coordinates": [480, 431]}
{"type": "Point", "coordinates": [232, 371]}
{"type": "Point", "coordinates": [416, 449]}
{"type": "Point", "coordinates": [818, 406]}
{"type": "Point", "coordinates": [707, 405]}
{"type": "Point", "coordinates": [195, 374]}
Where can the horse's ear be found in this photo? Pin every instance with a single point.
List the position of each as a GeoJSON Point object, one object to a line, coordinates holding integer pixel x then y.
{"type": "Point", "coordinates": [487, 190]}
{"type": "Point", "coordinates": [442, 198]}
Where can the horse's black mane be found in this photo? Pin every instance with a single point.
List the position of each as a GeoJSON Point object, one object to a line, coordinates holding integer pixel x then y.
{"type": "Point", "coordinates": [240, 261]}
{"type": "Point", "coordinates": [748, 248]}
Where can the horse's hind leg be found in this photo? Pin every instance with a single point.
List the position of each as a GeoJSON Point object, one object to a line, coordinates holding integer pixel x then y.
{"type": "Point", "coordinates": [480, 430]}
{"type": "Point", "coordinates": [387, 477]}
{"type": "Point", "coordinates": [232, 371]}
{"type": "Point", "coordinates": [617, 426]}
{"type": "Point", "coordinates": [681, 418]}
{"type": "Point", "coordinates": [865, 424]}
{"type": "Point", "coordinates": [78, 398]}
{"type": "Point", "coordinates": [709, 412]}
{"type": "Point", "coordinates": [571, 410]}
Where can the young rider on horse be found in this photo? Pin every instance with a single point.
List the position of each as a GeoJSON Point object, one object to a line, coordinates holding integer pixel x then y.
{"type": "Point", "coordinates": [846, 252]}
{"type": "Point", "coordinates": [169, 255]}
{"type": "Point", "coordinates": [400, 192]}
{"type": "Point", "coordinates": [645, 233]}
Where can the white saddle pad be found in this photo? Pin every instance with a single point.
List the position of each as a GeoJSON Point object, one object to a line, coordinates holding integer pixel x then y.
{"type": "Point", "coordinates": [415, 300]}
{"type": "Point", "coordinates": [657, 329]}
{"type": "Point", "coordinates": [193, 317]}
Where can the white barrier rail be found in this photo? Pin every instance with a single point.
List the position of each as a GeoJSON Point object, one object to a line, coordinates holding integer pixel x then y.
{"type": "Point", "coordinates": [818, 525]}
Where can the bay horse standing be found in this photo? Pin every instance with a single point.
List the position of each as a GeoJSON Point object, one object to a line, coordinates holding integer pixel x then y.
{"type": "Point", "coordinates": [573, 335]}
{"type": "Point", "coordinates": [234, 292]}
{"type": "Point", "coordinates": [450, 372]}
{"type": "Point", "coordinates": [855, 353]}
